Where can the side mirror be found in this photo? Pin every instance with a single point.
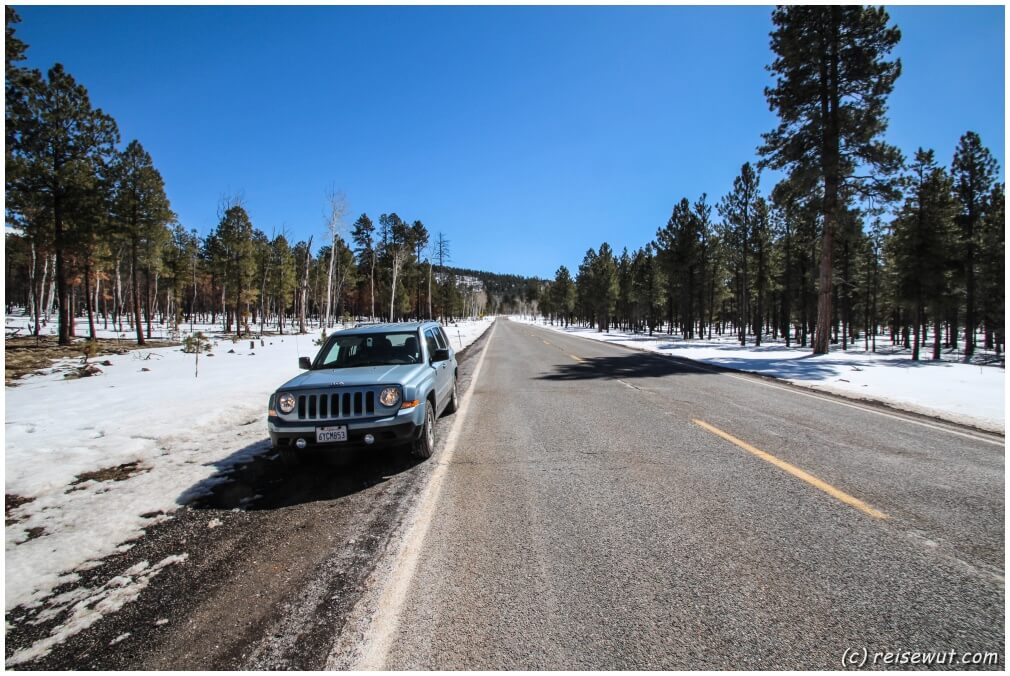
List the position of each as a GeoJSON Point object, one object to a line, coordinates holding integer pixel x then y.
{"type": "Point", "coordinates": [304, 363]}
{"type": "Point", "coordinates": [440, 355]}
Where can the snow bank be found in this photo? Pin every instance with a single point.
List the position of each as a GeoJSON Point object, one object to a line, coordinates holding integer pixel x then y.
{"type": "Point", "coordinates": [147, 411]}
{"type": "Point", "coordinates": [962, 393]}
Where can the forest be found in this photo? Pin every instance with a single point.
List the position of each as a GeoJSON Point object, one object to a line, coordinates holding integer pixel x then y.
{"type": "Point", "coordinates": [854, 241]}
{"type": "Point", "coordinates": [92, 234]}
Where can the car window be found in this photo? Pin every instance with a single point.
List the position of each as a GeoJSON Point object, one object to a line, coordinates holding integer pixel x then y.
{"type": "Point", "coordinates": [430, 338]}
{"type": "Point", "coordinates": [370, 349]}
{"type": "Point", "coordinates": [445, 338]}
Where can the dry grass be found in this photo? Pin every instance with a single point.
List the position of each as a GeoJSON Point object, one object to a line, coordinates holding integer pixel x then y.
{"type": "Point", "coordinates": [24, 355]}
{"type": "Point", "coordinates": [117, 473]}
{"type": "Point", "coordinates": [12, 502]}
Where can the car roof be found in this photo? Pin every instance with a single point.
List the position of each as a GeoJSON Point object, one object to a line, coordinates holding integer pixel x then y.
{"type": "Point", "coordinates": [387, 327]}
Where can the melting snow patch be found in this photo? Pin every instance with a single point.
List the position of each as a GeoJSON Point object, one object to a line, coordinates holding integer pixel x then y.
{"type": "Point", "coordinates": [87, 606]}
{"type": "Point", "coordinates": [121, 637]}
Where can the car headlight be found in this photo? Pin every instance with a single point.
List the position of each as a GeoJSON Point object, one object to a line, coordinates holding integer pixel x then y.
{"type": "Point", "coordinates": [390, 396]}
{"type": "Point", "coordinates": [286, 402]}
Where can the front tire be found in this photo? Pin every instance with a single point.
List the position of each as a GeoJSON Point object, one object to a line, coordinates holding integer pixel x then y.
{"type": "Point", "coordinates": [424, 446]}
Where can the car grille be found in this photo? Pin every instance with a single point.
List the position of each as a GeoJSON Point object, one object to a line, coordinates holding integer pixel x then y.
{"type": "Point", "coordinates": [336, 405]}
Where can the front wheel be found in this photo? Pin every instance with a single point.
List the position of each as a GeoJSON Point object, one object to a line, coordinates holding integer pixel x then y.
{"type": "Point", "coordinates": [424, 446]}
{"type": "Point", "coordinates": [453, 404]}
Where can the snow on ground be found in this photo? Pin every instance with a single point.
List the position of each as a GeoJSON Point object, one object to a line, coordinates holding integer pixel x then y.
{"type": "Point", "coordinates": [148, 411]}
{"type": "Point", "coordinates": [959, 392]}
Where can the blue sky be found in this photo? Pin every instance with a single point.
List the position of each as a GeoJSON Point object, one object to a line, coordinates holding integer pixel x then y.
{"type": "Point", "coordinates": [525, 134]}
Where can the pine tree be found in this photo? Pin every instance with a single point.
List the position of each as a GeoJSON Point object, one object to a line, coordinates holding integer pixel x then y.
{"type": "Point", "coordinates": [235, 234]}
{"type": "Point", "coordinates": [603, 276]}
{"type": "Point", "coordinates": [920, 244]}
{"type": "Point", "coordinates": [739, 211]}
{"type": "Point", "coordinates": [563, 292]}
{"type": "Point", "coordinates": [362, 233]}
{"type": "Point", "coordinates": [55, 139]}
{"type": "Point", "coordinates": [649, 286]}
{"type": "Point", "coordinates": [140, 211]}
{"type": "Point", "coordinates": [830, 93]}
{"type": "Point", "coordinates": [283, 277]}
{"type": "Point", "coordinates": [991, 268]}
{"type": "Point", "coordinates": [624, 288]}
{"type": "Point", "coordinates": [974, 171]}
{"type": "Point", "coordinates": [419, 239]}
{"type": "Point", "coordinates": [679, 247]}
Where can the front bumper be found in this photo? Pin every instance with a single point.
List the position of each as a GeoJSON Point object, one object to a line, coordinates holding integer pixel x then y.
{"type": "Point", "coordinates": [404, 427]}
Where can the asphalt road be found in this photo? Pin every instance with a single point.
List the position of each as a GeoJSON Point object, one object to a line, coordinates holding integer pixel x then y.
{"type": "Point", "coordinates": [586, 521]}
{"type": "Point", "coordinates": [589, 507]}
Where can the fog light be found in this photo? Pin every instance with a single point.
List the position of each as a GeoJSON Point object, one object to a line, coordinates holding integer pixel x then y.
{"type": "Point", "coordinates": [369, 439]}
{"type": "Point", "coordinates": [300, 443]}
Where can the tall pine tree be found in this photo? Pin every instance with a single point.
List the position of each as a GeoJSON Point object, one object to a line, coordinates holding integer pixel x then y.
{"type": "Point", "coordinates": [832, 79]}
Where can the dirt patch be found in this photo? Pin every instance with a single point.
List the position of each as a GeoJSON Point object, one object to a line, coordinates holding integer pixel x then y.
{"type": "Point", "coordinates": [36, 532]}
{"type": "Point", "coordinates": [25, 354]}
{"type": "Point", "coordinates": [12, 502]}
{"type": "Point", "coordinates": [117, 473]}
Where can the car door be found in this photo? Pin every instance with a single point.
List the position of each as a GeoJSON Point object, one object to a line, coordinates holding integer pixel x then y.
{"type": "Point", "coordinates": [443, 374]}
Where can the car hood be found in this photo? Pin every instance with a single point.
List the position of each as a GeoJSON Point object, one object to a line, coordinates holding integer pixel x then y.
{"type": "Point", "coordinates": [355, 377]}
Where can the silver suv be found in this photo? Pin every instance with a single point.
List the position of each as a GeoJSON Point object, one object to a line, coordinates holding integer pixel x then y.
{"type": "Point", "coordinates": [377, 385]}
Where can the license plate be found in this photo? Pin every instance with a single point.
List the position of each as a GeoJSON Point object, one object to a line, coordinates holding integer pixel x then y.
{"type": "Point", "coordinates": [328, 434]}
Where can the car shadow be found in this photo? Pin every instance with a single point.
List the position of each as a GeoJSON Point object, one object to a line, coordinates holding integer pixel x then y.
{"type": "Point", "coordinates": [256, 478]}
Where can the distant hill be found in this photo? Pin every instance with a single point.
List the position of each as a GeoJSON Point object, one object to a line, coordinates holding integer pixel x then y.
{"type": "Point", "coordinates": [497, 283]}
{"type": "Point", "coordinates": [506, 293]}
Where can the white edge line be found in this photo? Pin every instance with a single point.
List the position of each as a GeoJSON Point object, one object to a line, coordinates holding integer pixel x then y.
{"type": "Point", "coordinates": [387, 616]}
{"type": "Point", "coordinates": [691, 363]}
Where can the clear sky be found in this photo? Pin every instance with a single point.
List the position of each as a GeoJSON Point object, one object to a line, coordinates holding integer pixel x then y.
{"type": "Point", "coordinates": [525, 134]}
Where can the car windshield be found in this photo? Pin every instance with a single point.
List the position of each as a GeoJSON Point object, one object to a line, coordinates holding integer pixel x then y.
{"type": "Point", "coordinates": [370, 349]}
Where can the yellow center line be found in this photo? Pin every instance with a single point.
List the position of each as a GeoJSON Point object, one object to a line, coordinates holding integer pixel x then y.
{"type": "Point", "coordinates": [841, 496]}
{"type": "Point", "coordinates": [546, 342]}
{"type": "Point", "coordinates": [579, 359]}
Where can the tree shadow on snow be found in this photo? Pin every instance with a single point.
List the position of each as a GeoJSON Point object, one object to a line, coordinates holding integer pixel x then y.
{"type": "Point", "coordinates": [255, 478]}
{"type": "Point", "coordinates": [630, 366]}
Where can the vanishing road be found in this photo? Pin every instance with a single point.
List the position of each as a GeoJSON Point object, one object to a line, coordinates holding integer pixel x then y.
{"type": "Point", "coordinates": [589, 507]}
{"type": "Point", "coordinates": [594, 514]}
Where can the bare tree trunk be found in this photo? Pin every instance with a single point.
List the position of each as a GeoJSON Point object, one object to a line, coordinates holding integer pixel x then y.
{"type": "Point", "coordinates": [117, 298]}
{"type": "Point", "coordinates": [830, 169]}
{"type": "Point", "coordinates": [87, 296]}
{"type": "Point", "coordinates": [136, 294]}
{"type": "Point", "coordinates": [303, 293]}
{"type": "Point", "coordinates": [149, 309]}
{"type": "Point", "coordinates": [98, 296]}
{"type": "Point", "coordinates": [33, 296]}
{"type": "Point", "coordinates": [338, 207]}
{"type": "Point", "coordinates": [937, 332]}
{"type": "Point", "coordinates": [192, 302]}
{"type": "Point", "coordinates": [392, 293]}
{"type": "Point", "coordinates": [372, 285]}
{"type": "Point", "coordinates": [46, 289]}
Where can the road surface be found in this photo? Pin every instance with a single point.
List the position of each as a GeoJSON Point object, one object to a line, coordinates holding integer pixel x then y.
{"type": "Point", "coordinates": [589, 507]}
{"type": "Point", "coordinates": [591, 517]}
